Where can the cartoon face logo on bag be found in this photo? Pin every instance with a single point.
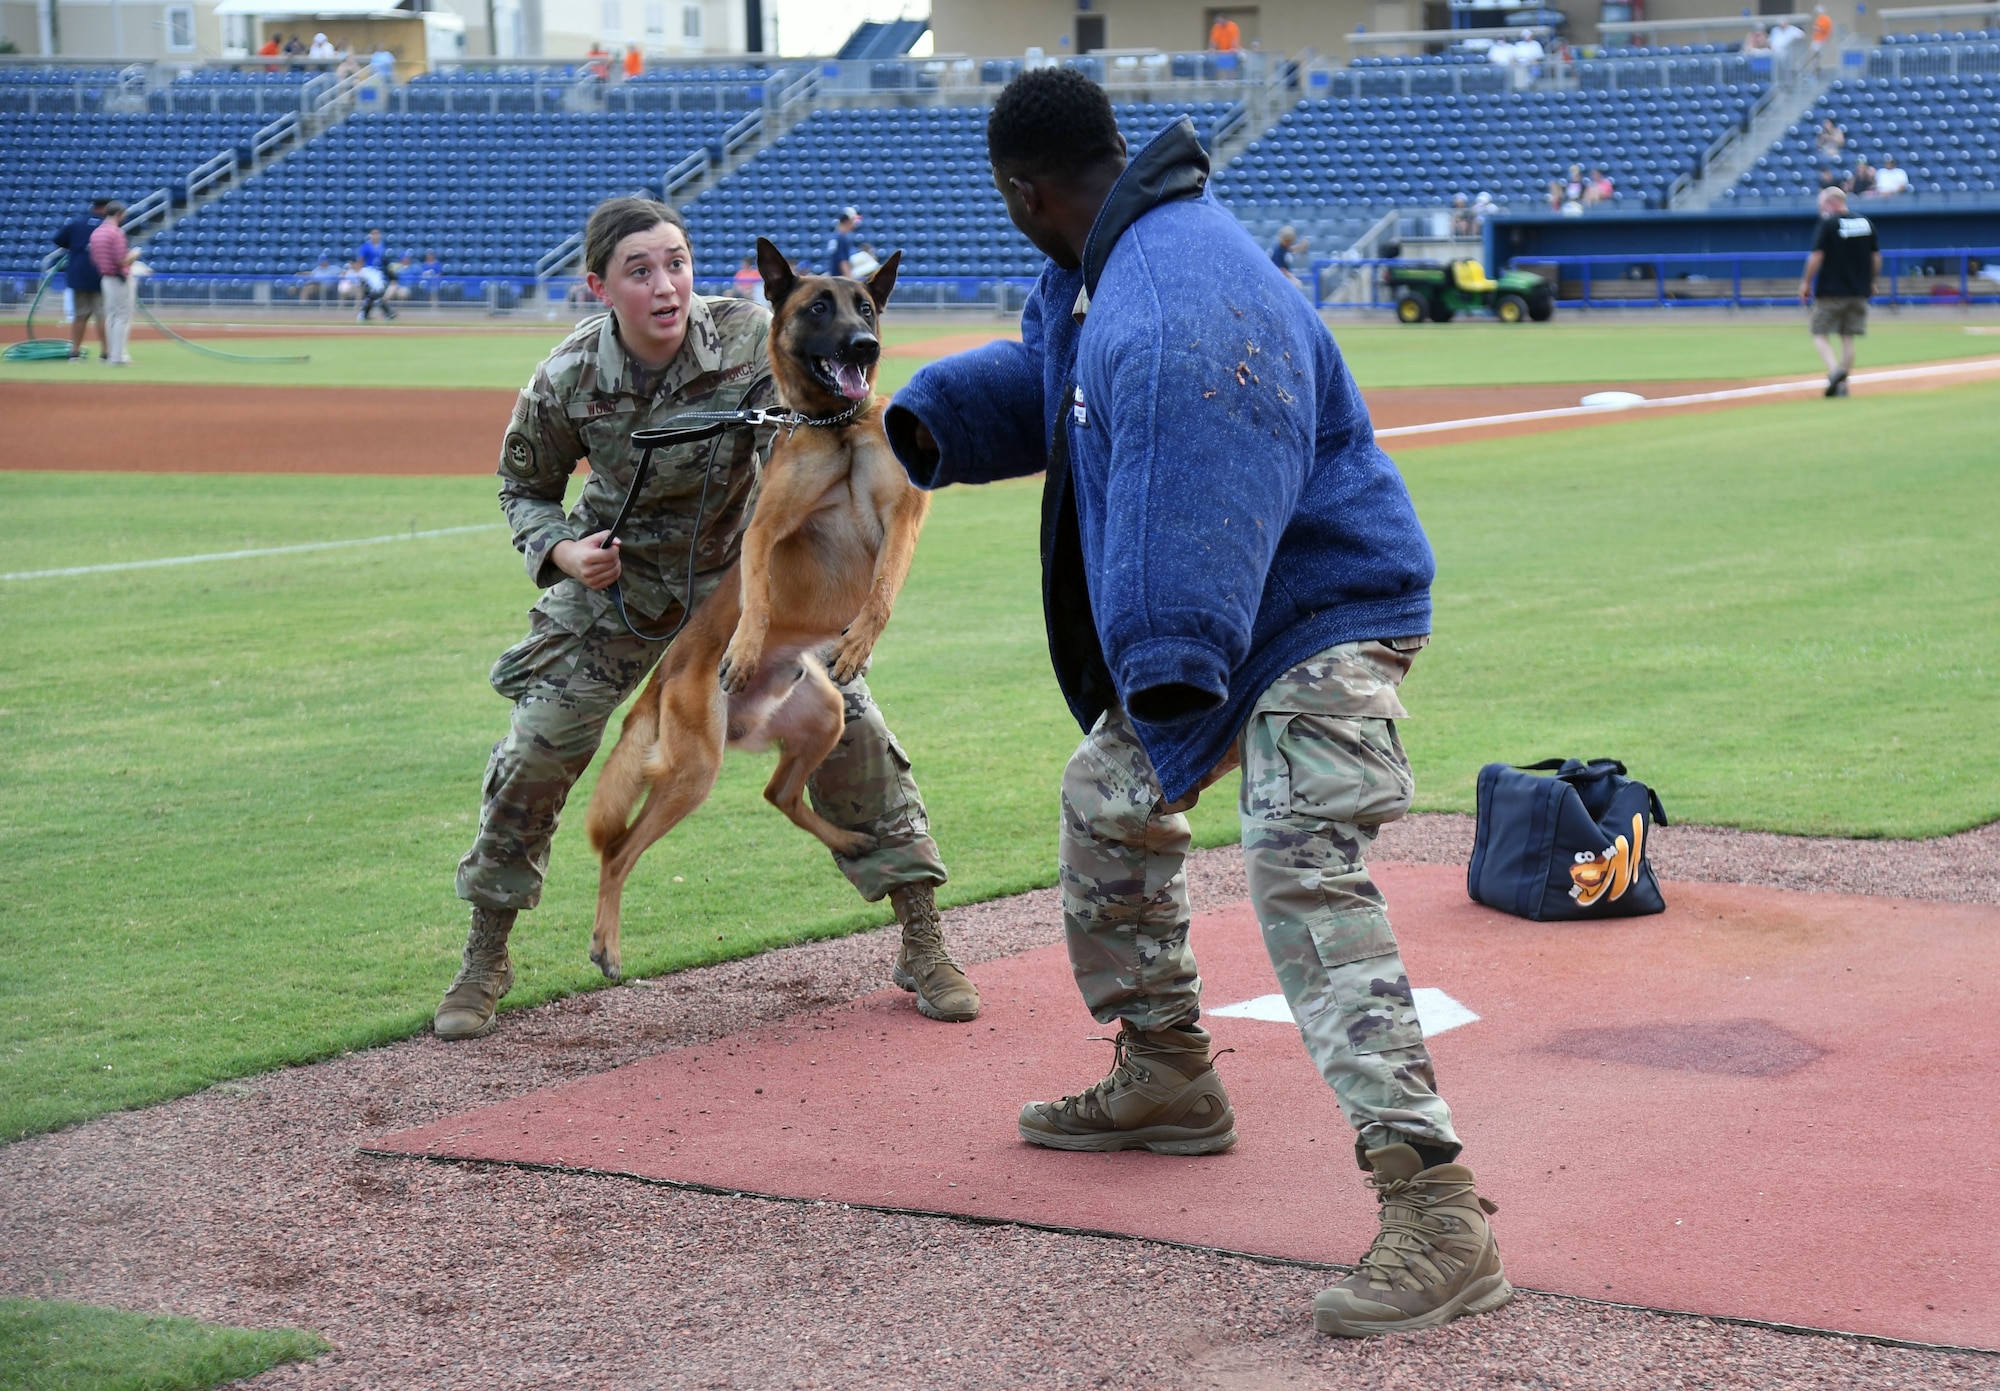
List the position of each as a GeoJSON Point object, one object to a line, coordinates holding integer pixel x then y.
{"type": "Point", "coordinates": [1606, 874]}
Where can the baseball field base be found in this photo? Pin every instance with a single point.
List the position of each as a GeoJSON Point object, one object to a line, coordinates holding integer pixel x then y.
{"type": "Point", "coordinates": [1760, 1104]}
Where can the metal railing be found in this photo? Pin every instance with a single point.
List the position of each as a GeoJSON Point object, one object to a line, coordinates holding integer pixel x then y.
{"type": "Point", "coordinates": [1944, 275]}
{"type": "Point", "coordinates": [555, 298]}
{"type": "Point", "coordinates": [1951, 59]}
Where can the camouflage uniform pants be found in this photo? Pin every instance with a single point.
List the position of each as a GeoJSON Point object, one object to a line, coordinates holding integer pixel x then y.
{"type": "Point", "coordinates": [1323, 770]}
{"type": "Point", "coordinates": [565, 687]}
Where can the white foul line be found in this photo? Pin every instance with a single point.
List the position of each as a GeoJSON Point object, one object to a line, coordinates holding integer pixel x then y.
{"type": "Point", "coordinates": [247, 555]}
{"type": "Point", "coordinates": [1738, 393]}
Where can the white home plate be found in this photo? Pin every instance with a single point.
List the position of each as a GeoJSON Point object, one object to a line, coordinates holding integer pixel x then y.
{"type": "Point", "coordinates": [1436, 1010]}
{"type": "Point", "coordinates": [1612, 400]}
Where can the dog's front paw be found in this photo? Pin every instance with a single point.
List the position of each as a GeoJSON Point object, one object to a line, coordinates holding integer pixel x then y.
{"type": "Point", "coordinates": [739, 666]}
{"type": "Point", "coordinates": [851, 653]}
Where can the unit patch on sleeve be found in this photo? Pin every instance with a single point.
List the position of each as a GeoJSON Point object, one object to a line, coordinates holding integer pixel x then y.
{"type": "Point", "coordinates": [518, 456]}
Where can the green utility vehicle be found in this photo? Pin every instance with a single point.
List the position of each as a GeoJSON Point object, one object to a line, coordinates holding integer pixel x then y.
{"type": "Point", "coordinates": [1437, 290]}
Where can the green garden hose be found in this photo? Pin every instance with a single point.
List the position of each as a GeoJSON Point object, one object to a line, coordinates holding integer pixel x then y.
{"type": "Point", "coordinates": [216, 353]}
{"type": "Point", "coordinates": [31, 348]}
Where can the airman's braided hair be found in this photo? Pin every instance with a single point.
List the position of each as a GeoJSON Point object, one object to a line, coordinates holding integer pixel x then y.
{"type": "Point", "coordinates": [1051, 122]}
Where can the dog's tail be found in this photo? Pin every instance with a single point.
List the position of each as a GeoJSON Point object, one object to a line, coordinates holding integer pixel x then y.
{"type": "Point", "coordinates": [625, 774]}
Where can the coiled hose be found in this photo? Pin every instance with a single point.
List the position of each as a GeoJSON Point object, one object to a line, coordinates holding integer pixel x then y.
{"type": "Point", "coordinates": [33, 349]}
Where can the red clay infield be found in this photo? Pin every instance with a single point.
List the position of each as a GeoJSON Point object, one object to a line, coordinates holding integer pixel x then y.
{"type": "Point", "coordinates": [1762, 1104]}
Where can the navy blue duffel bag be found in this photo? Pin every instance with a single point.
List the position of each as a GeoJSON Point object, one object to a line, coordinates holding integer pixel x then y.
{"type": "Point", "coordinates": [1570, 846]}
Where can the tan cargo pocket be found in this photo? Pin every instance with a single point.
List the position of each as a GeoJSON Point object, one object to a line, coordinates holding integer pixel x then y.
{"type": "Point", "coordinates": [1347, 769]}
{"type": "Point", "coordinates": [549, 651]}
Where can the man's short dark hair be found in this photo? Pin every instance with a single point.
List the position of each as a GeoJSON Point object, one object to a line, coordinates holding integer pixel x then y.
{"type": "Point", "coordinates": [1052, 122]}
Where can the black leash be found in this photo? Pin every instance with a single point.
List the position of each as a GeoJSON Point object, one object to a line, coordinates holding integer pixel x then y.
{"type": "Point", "coordinates": [692, 427]}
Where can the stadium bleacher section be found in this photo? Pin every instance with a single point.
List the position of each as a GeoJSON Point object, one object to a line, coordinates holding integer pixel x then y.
{"type": "Point", "coordinates": [1940, 130]}
{"type": "Point", "coordinates": [919, 175]}
{"type": "Point", "coordinates": [1343, 152]}
{"type": "Point", "coordinates": [52, 165]}
{"type": "Point", "coordinates": [488, 194]}
{"type": "Point", "coordinates": [493, 166]}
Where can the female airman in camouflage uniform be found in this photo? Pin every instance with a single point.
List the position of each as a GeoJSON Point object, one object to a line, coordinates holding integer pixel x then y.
{"type": "Point", "coordinates": [661, 351]}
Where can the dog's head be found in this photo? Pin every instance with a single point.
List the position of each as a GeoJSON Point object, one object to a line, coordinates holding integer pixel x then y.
{"type": "Point", "coordinates": [825, 331]}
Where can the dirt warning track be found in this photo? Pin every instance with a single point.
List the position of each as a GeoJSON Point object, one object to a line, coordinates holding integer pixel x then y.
{"type": "Point", "coordinates": [208, 429]}
{"type": "Point", "coordinates": [143, 428]}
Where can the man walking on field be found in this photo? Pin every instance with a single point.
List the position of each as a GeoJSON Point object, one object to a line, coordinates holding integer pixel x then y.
{"type": "Point", "coordinates": [1232, 572]}
{"type": "Point", "coordinates": [1839, 277]}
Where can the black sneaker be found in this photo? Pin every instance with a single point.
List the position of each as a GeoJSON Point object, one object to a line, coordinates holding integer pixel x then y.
{"type": "Point", "coordinates": [1836, 383]}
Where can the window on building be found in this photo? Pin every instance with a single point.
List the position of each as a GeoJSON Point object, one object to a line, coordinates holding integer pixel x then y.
{"type": "Point", "coordinates": [656, 20]}
{"type": "Point", "coordinates": [691, 23]}
{"type": "Point", "coordinates": [180, 28]}
{"type": "Point", "coordinates": [613, 17]}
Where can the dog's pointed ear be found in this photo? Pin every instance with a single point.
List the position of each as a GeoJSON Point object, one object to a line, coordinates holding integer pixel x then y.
{"type": "Point", "coordinates": [779, 277]}
{"type": "Point", "coordinates": [883, 281]}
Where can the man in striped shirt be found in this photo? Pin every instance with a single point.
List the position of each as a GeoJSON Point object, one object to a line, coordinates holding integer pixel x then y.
{"type": "Point", "coordinates": [113, 256]}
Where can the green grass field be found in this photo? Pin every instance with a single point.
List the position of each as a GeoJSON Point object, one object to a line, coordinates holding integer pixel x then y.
{"type": "Point", "coordinates": [53, 1346]}
{"type": "Point", "coordinates": [1573, 349]}
{"type": "Point", "coordinates": [237, 790]}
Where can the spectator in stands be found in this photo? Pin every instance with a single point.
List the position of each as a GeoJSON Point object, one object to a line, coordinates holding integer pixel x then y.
{"type": "Point", "coordinates": [1758, 40]}
{"type": "Point", "coordinates": [1862, 181]}
{"type": "Point", "coordinates": [1225, 35]}
{"type": "Point", "coordinates": [1500, 53]}
{"type": "Point", "coordinates": [1822, 28]}
{"type": "Point", "coordinates": [430, 277]}
{"type": "Point", "coordinates": [349, 288]}
{"type": "Point", "coordinates": [399, 276]}
{"type": "Point", "coordinates": [840, 246]}
{"type": "Point", "coordinates": [270, 48]}
{"type": "Point", "coordinates": [1830, 142]}
{"type": "Point", "coordinates": [1598, 189]}
{"type": "Point", "coordinates": [1483, 206]}
{"type": "Point", "coordinates": [865, 262]}
{"type": "Point", "coordinates": [294, 47]}
{"type": "Point", "coordinates": [1463, 223]}
{"type": "Point", "coordinates": [319, 283]}
{"type": "Point", "coordinates": [1288, 246]}
{"type": "Point", "coordinates": [1839, 278]}
{"type": "Point", "coordinates": [1891, 179]}
{"type": "Point", "coordinates": [1785, 41]}
{"type": "Point", "coordinates": [80, 274]}
{"type": "Point", "coordinates": [635, 63]}
{"type": "Point", "coordinates": [747, 283]}
{"type": "Point", "coordinates": [1528, 55]}
{"type": "Point", "coordinates": [322, 47]}
{"type": "Point", "coordinates": [597, 61]}
{"type": "Point", "coordinates": [113, 256]}
{"type": "Point", "coordinates": [383, 63]}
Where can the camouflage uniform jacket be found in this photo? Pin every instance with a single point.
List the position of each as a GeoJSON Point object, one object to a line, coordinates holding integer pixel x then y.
{"type": "Point", "coordinates": [583, 405]}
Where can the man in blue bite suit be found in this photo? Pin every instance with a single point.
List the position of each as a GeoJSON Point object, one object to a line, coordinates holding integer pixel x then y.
{"type": "Point", "coordinates": [1232, 573]}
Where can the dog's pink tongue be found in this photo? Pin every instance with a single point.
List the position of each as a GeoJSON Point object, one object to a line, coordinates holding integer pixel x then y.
{"type": "Point", "coordinates": [851, 380]}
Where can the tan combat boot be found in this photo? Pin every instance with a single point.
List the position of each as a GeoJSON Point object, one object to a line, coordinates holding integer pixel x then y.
{"type": "Point", "coordinates": [1434, 1259]}
{"type": "Point", "coordinates": [923, 966]}
{"type": "Point", "coordinates": [1163, 1095]}
{"type": "Point", "coordinates": [466, 1011]}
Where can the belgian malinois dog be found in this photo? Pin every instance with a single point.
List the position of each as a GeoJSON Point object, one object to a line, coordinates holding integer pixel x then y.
{"type": "Point", "coordinates": [823, 558]}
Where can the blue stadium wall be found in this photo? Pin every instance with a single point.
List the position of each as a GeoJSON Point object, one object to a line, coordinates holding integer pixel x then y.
{"type": "Point", "coordinates": [1651, 236]}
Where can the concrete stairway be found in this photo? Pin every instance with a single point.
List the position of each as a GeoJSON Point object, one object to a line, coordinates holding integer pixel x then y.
{"type": "Point", "coordinates": [1788, 103]}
